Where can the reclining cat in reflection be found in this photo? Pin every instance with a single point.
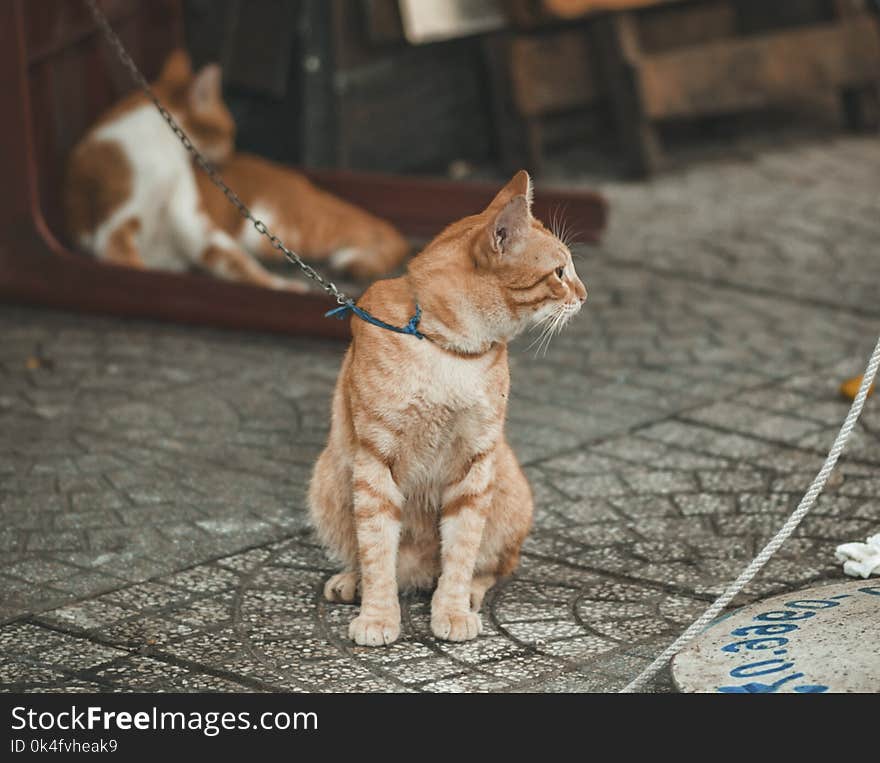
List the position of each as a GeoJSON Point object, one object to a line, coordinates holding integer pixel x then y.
{"type": "Point", "coordinates": [417, 485]}
{"type": "Point", "coordinates": [134, 197]}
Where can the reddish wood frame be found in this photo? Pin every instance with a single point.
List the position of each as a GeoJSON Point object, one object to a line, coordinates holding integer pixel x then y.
{"type": "Point", "coordinates": [52, 64]}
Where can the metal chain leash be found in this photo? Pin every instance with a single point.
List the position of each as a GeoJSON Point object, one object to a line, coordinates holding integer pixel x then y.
{"type": "Point", "coordinates": [208, 167]}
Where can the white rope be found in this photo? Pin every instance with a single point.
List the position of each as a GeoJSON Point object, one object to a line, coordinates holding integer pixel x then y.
{"type": "Point", "coordinates": [773, 546]}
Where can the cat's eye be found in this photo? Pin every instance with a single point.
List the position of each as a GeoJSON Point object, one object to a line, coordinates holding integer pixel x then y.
{"type": "Point", "coordinates": [560, 272]}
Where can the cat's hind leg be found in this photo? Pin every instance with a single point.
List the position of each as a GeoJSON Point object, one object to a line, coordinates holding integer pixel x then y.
{"type": "Point", "coordinates": [200, 243]}
{"type": "Point", "coordinates": [507, 524]}
{"type": "Point", "coordinates": [226, 259]}
{"type": "Point", "coordinates": [332, 516]}
{"type": "Point", "coordinates": [343, 588]}
{"type": "Point", "coordinates": [479, 586]}
{"type": "Point", "coordinates": [120, 245]}
{"type": "Point", "coordinates": [363, 260]}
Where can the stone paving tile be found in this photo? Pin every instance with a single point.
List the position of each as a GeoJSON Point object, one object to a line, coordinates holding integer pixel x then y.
{"type": "Point", "coordinates": [785, 222]}
{"type": "Point", "coordinates": [152, 477]}
{"type": "Point", "coordinates": [153, 462]}
{"type": "Point", "coordinates": [143, 674]}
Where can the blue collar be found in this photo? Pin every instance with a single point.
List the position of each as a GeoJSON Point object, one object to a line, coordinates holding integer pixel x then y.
{"type": "Point", "coordinates": [411, 328]}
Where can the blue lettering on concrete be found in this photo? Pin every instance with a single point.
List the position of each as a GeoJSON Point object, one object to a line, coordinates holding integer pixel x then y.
{"type": "Point", "coordinates": [776, 622]}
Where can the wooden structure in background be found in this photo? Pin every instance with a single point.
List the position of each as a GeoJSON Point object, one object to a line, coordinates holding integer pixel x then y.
{"type": "Point", "coordinates": [348, 87]}
{"type": "Point", "coordinates": [655, 60]}
{"type": "Point", "coordinates": [56, 76]}
{"type": "Point", "coordinates": [548, 67]}
{"type": "Point", "coordinates": [736, 73]}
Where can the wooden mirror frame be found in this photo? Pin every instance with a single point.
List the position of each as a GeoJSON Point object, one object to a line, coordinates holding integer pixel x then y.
{"type": "Point", "coordinates": [51, 67]}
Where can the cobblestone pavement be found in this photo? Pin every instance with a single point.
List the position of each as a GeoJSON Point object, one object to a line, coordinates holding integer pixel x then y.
{"type": "Point", "coordinates": [153, 532]}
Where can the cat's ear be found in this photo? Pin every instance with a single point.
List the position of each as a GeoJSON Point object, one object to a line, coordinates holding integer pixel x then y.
{"type": "Point", "coordinates": [509, 228]}
{"type": "Point", "coordinates": [519, 185]}
{"type": "Point", "coordinates": [206, 88]}
{"type": "Point", "coordinates": [177, 70]}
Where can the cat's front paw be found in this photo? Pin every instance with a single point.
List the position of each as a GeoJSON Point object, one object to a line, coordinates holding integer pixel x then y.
{"type": "Point", "coordinates": [372, 630]}
{"type": "Point", "coordinates": [456, 626]}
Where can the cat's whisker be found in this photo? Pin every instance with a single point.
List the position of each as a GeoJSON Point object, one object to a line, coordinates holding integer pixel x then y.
{"type": "Point", "coordinates": [538, 338]}
{"type": "Point", "coordinates": [573, 237]}
{"type": "Point", "coordinates": [542, 321]}
{"type": "Point", "coordinates": [558, 320]}
{"type": "Point", "coordinates": [542, 338]}
{"type": "Point", "coordinates": [544, 324]}
{"type": "Point", "coordinates": [557, 327]}
{"type": "Point", "coordinates": [550, 335]}
{"type": "Point", "coordinates": [542, 328]}
{"type": "Point", "coordinates": [557, 220]}
{"type": "Point", "coordinates": [559, 226]}
{"type": "Point", "coordinates": [559, 229]}
{"type": "Point", "coordinates": [554, 323]}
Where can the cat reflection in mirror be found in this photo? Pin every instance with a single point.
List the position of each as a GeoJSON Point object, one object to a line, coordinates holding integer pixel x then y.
{"type": "Point", "coordinates": [134, 197]}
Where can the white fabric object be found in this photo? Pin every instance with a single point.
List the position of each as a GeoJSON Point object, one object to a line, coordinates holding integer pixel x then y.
{"type": "Point", "coordinates": [860, 559]}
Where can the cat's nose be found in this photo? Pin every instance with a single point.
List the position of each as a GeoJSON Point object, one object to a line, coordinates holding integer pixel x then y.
{"type": "Point", "coordinates": [580, 290]}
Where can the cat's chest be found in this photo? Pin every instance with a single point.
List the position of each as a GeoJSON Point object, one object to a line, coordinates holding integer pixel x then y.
{"type": "Point", "coordinates": [450, 385]}
{"type": "Point", "coordinates": [446, 406]}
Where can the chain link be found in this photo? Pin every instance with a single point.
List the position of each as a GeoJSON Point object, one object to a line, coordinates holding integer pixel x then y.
{"type": "Point", "coordinates": [208, 167]}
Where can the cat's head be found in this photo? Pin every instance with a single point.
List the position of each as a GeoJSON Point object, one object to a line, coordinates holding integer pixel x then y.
{"type": "Point", "coordinates": [196, 100]}
{"type": "Point", "coordinates": [499, 272]}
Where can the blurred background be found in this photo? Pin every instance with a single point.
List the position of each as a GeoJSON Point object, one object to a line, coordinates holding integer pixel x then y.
{"type": "Point", "coordinates": [620, 87]}
{"type": "Point", "coordinates": [390, 103]}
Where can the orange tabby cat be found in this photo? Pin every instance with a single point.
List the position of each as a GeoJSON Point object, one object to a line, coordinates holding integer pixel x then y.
{"type": "Point", "coordinates": [310, 221]}
{"type": "Point", "coordinates": [417, 484]}
{"type": "Point", "coordinates": [133, 196]}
